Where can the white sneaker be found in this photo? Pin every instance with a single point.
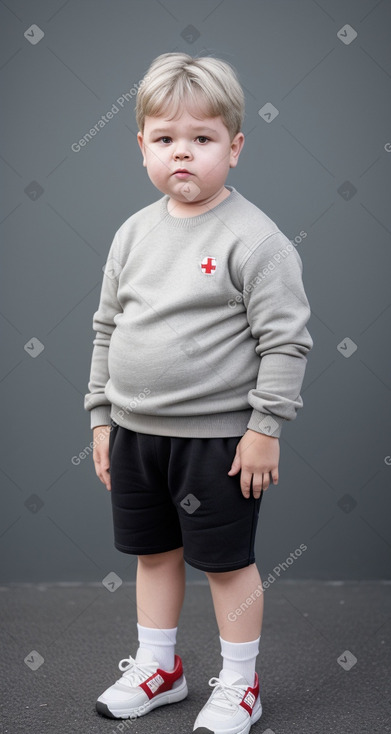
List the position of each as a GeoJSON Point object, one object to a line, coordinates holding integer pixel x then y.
{"type": "Point", "coordinates": [142, 687]}
{"type": "Point", "coordinates": [232, 708]}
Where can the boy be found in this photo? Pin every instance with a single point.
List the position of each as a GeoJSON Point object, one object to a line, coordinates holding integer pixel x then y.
{"type": "Point", "coordinates": [198, 360]}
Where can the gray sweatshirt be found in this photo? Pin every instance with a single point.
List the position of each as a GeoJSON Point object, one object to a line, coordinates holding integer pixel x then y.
{"type": "Point", "coordinates": [201, 325]}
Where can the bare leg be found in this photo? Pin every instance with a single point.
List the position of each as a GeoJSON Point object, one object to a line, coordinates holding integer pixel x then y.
{"type": "Point", "coordinates": [231, 589]}
{"type": "Point", "coordinates": [160, 589]}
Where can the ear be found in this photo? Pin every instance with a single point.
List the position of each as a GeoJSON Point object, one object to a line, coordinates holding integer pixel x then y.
{"type": "Point", "coordinates": [140, 141]}
{"type": "Point", "coordinates": [236, 147]}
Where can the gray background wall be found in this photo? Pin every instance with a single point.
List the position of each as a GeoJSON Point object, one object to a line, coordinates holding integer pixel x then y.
{"type": "Point", "coordinates": [321, 166]}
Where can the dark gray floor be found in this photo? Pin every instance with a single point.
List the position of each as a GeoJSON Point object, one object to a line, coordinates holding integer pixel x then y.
{"type": "Point", "coordinates": [82, 631]}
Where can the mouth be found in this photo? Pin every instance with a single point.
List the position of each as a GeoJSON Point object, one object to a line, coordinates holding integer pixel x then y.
{"type": "Point", "coordinates": [182, 171]}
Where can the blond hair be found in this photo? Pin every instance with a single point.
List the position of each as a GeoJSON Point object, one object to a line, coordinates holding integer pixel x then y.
{"type": "Point", "coordinates": [210, 86]}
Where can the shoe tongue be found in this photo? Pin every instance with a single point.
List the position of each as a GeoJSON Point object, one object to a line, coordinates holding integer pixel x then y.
{"type": "Point", "coordinates": [144, 655]}
{"type": "Point", "coordinates": [231, 677]}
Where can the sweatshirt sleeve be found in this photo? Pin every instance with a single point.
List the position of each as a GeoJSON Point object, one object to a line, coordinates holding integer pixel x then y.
{"type": "Point", "coordinates": [277, 313]}
{"type": "Point", "coordinates": [103, 324]}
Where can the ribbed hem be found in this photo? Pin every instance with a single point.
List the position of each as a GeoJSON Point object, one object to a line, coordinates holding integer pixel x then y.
{"type": "Point", "coordinates": [100, 416]}
{"type": "Point", "coordinates": [265, 423]}
{"type": "Point", "coordinates": [219, 425]}
{"type": "Point", "coordinates": [190, 222]}
{"type": "Point", "coordinates": [234, 423]}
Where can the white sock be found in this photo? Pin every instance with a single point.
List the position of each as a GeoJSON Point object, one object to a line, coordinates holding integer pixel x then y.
{"type": "Point", "coordinates": [240, 657]}
{"type": "Point", "coordinates": [160, 642]}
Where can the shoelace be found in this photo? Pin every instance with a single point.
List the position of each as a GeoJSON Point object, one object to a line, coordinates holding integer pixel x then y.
{"type": "Point", "coordinates": [225, 694]}
{"type": "Point", "coordinates": [133, 672]}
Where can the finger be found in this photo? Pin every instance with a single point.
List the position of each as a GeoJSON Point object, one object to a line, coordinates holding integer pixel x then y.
{"type": "Point", "coordinates": [103, 475]}
{"type": "Point", "coordinates": [266, 480]}
{"type": "Point", "coordinates": [275, 477]}
{"type": "Point", "coordinates": [257, 485]}
{"type": "Point", "coordinates": [107, 479]}
{"type": "Point", "coordinates": [245, 483]}
{"type": "Point", "coordinates": [235, 466]}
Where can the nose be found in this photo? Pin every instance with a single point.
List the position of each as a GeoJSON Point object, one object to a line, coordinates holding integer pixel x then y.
{"type": "Point", "coordinates": [181, 151]}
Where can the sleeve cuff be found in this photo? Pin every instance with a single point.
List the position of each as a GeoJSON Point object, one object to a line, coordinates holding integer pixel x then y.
{"type": "Point", "coordinates": [266, 423]}
{"type": "Point", "coordinates": [100, 416]}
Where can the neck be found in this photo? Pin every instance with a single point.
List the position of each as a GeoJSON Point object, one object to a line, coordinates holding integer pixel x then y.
{"type": "Point", "coordinates": [183, 210]}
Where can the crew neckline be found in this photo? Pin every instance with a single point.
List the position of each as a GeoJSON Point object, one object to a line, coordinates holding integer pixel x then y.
{"type": "Point", "coordinates": [183, 222]}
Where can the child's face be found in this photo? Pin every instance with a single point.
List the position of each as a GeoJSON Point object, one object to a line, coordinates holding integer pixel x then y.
{"type": "Point", "coordinates": [203, 147]}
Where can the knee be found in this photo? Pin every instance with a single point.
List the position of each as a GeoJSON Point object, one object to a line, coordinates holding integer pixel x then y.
{"type": "Point", "coordinates": [158, 560]}
{"type": "Point", "coordinates": [221, 577]}
{"type": "Point", "coordinates": [248, 574]}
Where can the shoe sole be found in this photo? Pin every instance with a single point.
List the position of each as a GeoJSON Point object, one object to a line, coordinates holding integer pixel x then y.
{"type": "Point", "coordinates": [256, 715]}
{"type": "Point", "coordinates": [173, 696]}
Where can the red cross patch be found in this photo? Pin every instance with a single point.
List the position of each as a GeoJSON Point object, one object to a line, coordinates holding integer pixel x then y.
{"type": "Point", "coordinates": [208, 265]}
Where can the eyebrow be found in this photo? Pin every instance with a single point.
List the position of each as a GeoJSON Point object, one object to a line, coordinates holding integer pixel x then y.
{"type": "Point", "coordinates": [199, 127]}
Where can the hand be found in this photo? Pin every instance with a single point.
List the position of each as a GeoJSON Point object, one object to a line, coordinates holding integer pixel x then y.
{"type": "Point", "coordinates": [257, 456]}
{"type": "Point", "coordinates": [100, 454]}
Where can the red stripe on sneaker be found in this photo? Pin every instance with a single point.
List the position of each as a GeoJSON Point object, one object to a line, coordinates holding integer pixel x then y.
{"type": "Point", "coordinates": [162, 680]}
{"type": "Point", "coordinates": [250, 697]}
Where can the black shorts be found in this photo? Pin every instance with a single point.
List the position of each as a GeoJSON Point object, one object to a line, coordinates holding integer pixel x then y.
{"type": "Point", "coordinates": [168, 492]}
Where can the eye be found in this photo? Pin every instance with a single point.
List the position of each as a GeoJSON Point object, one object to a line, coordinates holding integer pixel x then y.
{"type": "Point", "coordinates": [202, 138]}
